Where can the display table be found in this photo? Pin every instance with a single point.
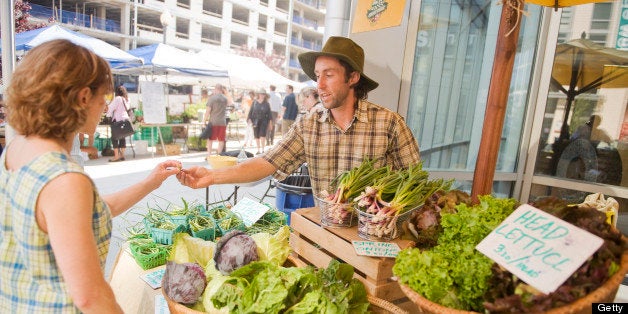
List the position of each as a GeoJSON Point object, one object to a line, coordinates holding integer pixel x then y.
{"type": "Point", "coordinates": [318, 245]}
{"type": "Point", "coordinates": [132, 293]}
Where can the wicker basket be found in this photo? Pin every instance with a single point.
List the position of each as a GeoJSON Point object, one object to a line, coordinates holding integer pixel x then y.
{"type": "Point", "coordinates": [605, 293]}
{"type": "Point", "coordinates": [217, 161]}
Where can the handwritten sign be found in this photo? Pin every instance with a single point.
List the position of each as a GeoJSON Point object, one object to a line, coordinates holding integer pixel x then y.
{"type": "Point", "coordinates": [380, 249]}
{"type": "Point", "coordinates": [153, 102]}
{"type": "Point", "coordinates": [539, 248]}
{"type": "Point", "coordinates": [153, 279]}
{"type": "Point", "coordinates": [249, 211]}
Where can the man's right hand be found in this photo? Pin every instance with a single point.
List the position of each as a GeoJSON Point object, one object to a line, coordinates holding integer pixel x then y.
{"type": "Point", "coordinates": [195, 177]}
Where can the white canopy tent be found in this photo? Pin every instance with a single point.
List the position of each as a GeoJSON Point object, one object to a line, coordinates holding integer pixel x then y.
{"type": "Point", "coordinates": [248, 72]}
{"type": "Point", "coordinates": [162, 59]}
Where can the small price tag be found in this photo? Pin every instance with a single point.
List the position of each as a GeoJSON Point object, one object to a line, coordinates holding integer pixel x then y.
{"type": "Point", "coordinates": [249, 210]}
{"type": "Point", "coordinates": [161, 306]}
{"type": "Point", "coordinates": [153, 279]}
{"type": "Point", "coordinates": [539, 248]}
{"type": "Point", "coordinates": [379, 249]}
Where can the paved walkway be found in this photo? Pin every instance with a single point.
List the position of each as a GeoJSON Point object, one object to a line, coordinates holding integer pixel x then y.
{"type": "Point", "coordinates": [112, 177]}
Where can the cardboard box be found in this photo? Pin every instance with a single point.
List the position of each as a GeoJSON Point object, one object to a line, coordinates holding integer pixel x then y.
{"type": "Point", "coordinates": [171, 149]}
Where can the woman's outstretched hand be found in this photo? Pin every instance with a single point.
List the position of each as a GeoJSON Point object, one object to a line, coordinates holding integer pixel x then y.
{"type": "Point", "coordinates": [163, 170]}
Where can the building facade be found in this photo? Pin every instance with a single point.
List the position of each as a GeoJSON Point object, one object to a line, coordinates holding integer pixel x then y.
{"type": "Point", "coordinates": [283, 27]}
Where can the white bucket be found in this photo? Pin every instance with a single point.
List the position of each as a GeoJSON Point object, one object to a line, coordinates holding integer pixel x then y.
{"type": "Point", "coordinates": [141, 147]}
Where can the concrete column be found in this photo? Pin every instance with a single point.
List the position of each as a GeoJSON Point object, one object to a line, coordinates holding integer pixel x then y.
{"type": "Point", "coordinates": [8, 56]}
{"type": "Point", "coordinates": [125, 26]}
{"type": "Point", "coordinates": [227, 12]}
{"type": "Point", "coordinates": [337, 18]}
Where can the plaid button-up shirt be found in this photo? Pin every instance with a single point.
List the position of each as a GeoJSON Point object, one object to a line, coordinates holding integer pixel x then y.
{"type": "Point", "coordinates": [375, 133]}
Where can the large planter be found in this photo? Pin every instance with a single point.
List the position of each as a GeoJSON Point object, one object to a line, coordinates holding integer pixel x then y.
{"type": "Point", "coordinates": [603, 294]}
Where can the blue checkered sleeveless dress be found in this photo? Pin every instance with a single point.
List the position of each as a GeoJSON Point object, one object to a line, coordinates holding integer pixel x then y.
{"type": "Point", "coordinates": [30, 281]}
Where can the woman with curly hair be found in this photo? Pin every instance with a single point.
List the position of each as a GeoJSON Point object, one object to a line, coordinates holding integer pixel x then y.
{"type": "Point", "coordinates": [56, 227]}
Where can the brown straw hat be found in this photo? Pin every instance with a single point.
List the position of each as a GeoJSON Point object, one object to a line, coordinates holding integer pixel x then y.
{"type": "Point", "coordinates": [342, 48]}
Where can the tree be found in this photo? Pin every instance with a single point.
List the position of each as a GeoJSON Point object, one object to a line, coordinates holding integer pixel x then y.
{"type": "Point", "coordinates": [274, 60]}
{"type": "Point", "coordinates": [21, 11]}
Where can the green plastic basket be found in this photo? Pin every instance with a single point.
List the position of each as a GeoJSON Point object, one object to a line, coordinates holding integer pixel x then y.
{"type": "Point", "coordinates": [165, 236]}
{"type": "Point", "coordinates": [181, 220]}
{"type": "Point", "coordinates": [236, 223]}
{"type": "Point", "coordinates": [148, 261]}
{"type": "Point", "coordinates": [208, 233]}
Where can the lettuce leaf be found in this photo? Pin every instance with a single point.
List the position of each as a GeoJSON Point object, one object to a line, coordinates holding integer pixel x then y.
{"type": "Point", "coordinates": [274, 248]}
{"type": "Point", "coordinates": [187, 249]}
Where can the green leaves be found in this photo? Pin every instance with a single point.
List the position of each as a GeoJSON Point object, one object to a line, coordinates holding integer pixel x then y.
{"type": "Point", "coordinates": [263, 287]}
{"type": "Point", "coordinates": [453, 273]}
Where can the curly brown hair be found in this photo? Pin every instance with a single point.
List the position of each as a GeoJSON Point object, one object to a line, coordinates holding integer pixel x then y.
{"type": "Point", "coordinates": [43, 93]}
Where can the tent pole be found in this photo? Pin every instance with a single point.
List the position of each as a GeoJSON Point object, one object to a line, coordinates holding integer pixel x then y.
{"type": "Point", "coordinates": [497, 100]}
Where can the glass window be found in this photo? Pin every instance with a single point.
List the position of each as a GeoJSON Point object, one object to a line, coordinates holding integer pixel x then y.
{"type": "Point", "coordinates": [585, 126]}
{"type": "Point", "coordinates": [453, 62]}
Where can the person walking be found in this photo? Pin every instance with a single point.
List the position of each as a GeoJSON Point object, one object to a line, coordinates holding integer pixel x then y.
{"type": "Point", "coordinates": [290, 109]}
{"type": "Point", "coordinates": [340, 137]}
{"type": "Point", "coordinates": [274, 99]}
{"type": "Point", "coordinates": [56, 226]}
{"type": "Point", "coordinates": [117, 111]}
{"type": "Point", "coordinates": [216, 114]}
{"type": "Point", "coordinates": [247, 103]}
{"type": "Point", "coordinates": [260, 117]}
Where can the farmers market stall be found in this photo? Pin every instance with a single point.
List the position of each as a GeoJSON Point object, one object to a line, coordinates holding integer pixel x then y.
{"type": "Point", "coordinates": [402, 238]}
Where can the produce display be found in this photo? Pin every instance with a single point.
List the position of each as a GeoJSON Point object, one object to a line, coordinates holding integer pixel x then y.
{"type": "Point", "coordinates": [381, 195]}
{"type": "Point", "coordinates": [338, 208]}
{"type": "Point", "coordinates": [262, 286]}
{"type": "Point", "coordinates": [453, 274]}
{"type": "Point", "coordinates": [151, 243]}
{"type": "Point", "coordinates": [423, 226]}
{"type": "Point", "coordinates": [389, 200]}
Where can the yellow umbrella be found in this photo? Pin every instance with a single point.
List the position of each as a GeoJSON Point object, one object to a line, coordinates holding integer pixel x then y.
{"type": "Point", "coordinates": [562, 3]}
{"type": "Point", "coordinates": [581, 66]}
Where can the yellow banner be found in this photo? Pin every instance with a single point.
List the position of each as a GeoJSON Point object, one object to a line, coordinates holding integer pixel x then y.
{"type": "Point", "coordinates": [377, 14]}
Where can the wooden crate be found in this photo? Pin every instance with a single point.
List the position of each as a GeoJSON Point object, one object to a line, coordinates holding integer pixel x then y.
{"type": "Point", "coordinates": [318, 245]}
{"type": "Point", "coordinates": [171, 149]}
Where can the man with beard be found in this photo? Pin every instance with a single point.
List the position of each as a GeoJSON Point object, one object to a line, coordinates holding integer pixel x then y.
{"type": "Point", "coordinates": [347, 131]}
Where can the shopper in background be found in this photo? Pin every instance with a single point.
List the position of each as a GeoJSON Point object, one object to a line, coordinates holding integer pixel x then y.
{"type": "Point", "coordinates": [247, 103]}
{"type": "Point", "coordinates": [216, 113]}
{"type": "Point", "coordinates": [310, 101]}
{"type": "Point", "coordinates": [260, 117]}
{"type": "Point", "coordinates": [117, 111]}
{"type": "Point", "coordinates": [337, 139]}
{"type": "Point", "coordinates": [290, 109]}
{"type": "Point", "coordinates": [56, 227]}
{"type": "Point", "coordinates": [274, 99]}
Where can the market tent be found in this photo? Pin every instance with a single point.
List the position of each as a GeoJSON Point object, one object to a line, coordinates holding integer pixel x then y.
{"type": "Point", "coordinates": [160, 59]}
{"type": "Point", "coordinates": [248, 72]}
{"type": "Point", "coordinates": [117, 57]}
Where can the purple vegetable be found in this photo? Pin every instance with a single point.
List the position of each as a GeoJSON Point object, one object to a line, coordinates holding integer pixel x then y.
{"type": "Point", "coordinates": [184, 283]}
{"type": "Point", "coordinates": [234, 250]}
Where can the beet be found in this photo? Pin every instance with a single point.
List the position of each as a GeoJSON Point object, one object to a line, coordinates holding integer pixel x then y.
{"type": "Point", "coordinates": [184, 283]}
{"type": "Point", "coordinates": [234, 250]}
